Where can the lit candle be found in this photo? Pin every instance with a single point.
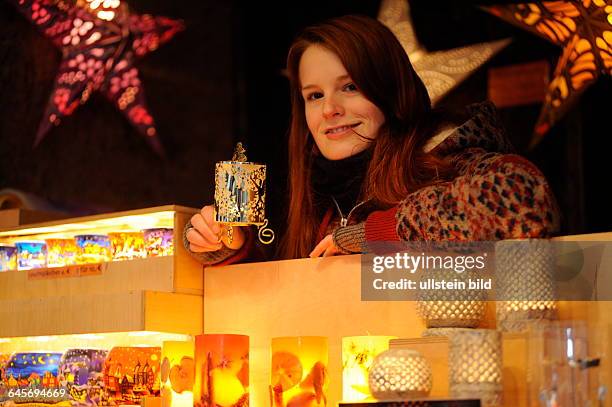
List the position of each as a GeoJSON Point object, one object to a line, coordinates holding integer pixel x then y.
{"type": "Point", "coordinates": [177, 373]}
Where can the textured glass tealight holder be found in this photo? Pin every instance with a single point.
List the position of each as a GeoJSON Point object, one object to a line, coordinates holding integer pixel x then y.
{"type": "Point", "coordinates": [400, 374]}
{"type": "Point", "coordinates": [222, 370]}
{"type": "Point", "coordinates": [93, 249]}
{"type": "Point", "coordinates": [31, 255]}
{"type": "Point", "coordinates": [298, 373]}
{"type": "Point", "coordinates": [358, 353]}
{"type": "Point", "coordinates": [475, 365]}
{"type": "Point", "coordinates": [61, 252]}
{"type": "Point", "coordinates": [8, 257]}
{"type": "Point", "coordinates": [177, 373]}
{"type": "Point", "coordinates": [525, 281]}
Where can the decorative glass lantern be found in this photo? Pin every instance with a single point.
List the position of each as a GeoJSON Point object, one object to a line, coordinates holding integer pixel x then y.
{"type": "Point", "coordinates": [475, 365]}
{"type": "Point", "coordinates": [525, 276]}
{"type": "Point", "coordinates": [31, 255]}
{"type": "Point", "coordinates": [222, 370]}
{"type": "Point", "coordinates": [36, 370]}
{"type": "Point", "coordinates": [131, 373]}
{"type": "Point", "coordinates": [61, 252]}
{"type": "Point", "coordinates": [177, 373]}
{"type": "Point", "coordinates": [358, 353]}
{"type": "Point", "coordinates": [240, 195]}
{"type": "Point", "coordinates": [80, 371]}
{"type": "Point", "coordinates": [399, 374]}
{"type": "Point", "coordinates": [93, 249]}
{"type": "Point", "coordinates": [127, 245]}
{"type": "Point", "coordinates": [8, 257]}
{"type": "Point", "coordinates": [159, 241]}
{"type": "Point", "coordinates": [298, 374]}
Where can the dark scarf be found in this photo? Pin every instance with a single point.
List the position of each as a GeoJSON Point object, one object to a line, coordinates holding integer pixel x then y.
{"type": "Point", "coordinates": [340, 179]}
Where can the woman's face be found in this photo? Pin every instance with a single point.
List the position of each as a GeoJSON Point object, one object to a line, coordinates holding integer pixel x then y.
{"type": "Point", "coordinates": [335, 109]}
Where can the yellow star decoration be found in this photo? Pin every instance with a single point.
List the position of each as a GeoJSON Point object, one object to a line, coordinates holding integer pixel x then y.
{"type": "Point", "coordinates": [441, 71]}
{"type": "Point", "coordinates": [584, 29]}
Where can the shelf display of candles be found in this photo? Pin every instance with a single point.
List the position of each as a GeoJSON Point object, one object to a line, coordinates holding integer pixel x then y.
{"type": "Point", "coordinates": [61, 252]}
{"type": "Point", "coordinates": [127, 245]}
{"type": "Point", "coordinates": [8, 257]}
{"type": "Point", "coordinates": [31, 255]}
{"type": "Point", "coordinates": [93, 248]}
{"type": "Point", "coordinates": [159, 241]}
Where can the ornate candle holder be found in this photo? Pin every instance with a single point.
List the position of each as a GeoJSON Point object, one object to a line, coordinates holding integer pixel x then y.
{"type": "Point", "coordinates": [240, 195]}
{"type": "Point", "coordinates": [400, 373]}
{"type": "Point", "coordinates": [93, 249]}
{"type": "Point", "coordinates": [31, 255]}
{"type": "Point", "coordinates": [61, 252]}
{"type": "Point", "coordinates": [358, 353]}
{"type": "Point", "coordinates": [127, 245]}
{"type": "Point", "coordinates": [222, 370]}
{"type": "Point", "coordinates": [298, 374]}
{"type": "Point", "coordinates": [8, 257]}
{"type": "Point", "coordinates": [475, 362]}
{"type": "Point", "coordinates": [159, 241]}
{"type": "Point", "coordinates": [177, 374]}
{"type": "Point", "coordinates": [526, 287]}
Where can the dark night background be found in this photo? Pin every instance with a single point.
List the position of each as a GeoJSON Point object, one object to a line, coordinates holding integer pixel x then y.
{"type": "Point", "coordinates": [220, 81]}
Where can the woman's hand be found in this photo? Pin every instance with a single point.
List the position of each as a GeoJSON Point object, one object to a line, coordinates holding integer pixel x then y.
{"type": "Point", "coordinates": [325, 247]}
{"type": "Point", "coordinates": [208, 235]}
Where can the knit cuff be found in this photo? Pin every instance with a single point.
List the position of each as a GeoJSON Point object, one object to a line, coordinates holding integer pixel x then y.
{"type": "Point", "coordinates": [350, 239]}
{"type": "Point", "coordinates": [207, 258]}
{"type": "Point", "coordinates": [382, 226]}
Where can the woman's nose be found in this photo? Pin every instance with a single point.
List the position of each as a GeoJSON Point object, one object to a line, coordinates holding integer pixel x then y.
{"type": "Point", "coordinates": [332, 108]}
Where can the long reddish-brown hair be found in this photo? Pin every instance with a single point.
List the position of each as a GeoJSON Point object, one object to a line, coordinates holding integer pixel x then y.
{"type": "Point", "coordinates": [381, 70]}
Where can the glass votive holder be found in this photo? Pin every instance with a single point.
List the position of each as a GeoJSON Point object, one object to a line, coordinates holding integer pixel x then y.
{"type": "Point", "coordinates": [81, 369]}
{"type": "Point", "coordinates": [177, 373]}
{"type": "Point", "coordinates": [222, 370]}
{"type": "Point", "coordinates": [298, 374]}
{"type": "Point", "coordinates": [159, 241]}
{"type": "Point", "coordinates": [8, 257]}
{"type": "Point", "coordinates": [29, 369]}
{"type": "Point", "coordinates": [131, 373]}
{"type": "Point", "coordinates": [61, 252]}
{"type": "Point", "coordinates": [127, 245]}
{"type": "Point", "coordinates": [93, 249]}
{"type": "Point", "coordinates": [475, 365]}
{"type": "Point", "coordinates": [31, 255]}
{"type": "Point", "coordinates": [358, 353]}
{"type": "Point", "coordinates": [400, 374]}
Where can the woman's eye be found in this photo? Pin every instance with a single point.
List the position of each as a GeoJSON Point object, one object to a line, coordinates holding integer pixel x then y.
{"type": "Point", "coordinates": [314, 96]}
{"type": "Point", "coordinates": [351, 87]}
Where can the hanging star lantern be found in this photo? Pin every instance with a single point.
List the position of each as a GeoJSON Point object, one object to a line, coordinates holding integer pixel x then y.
{"type": "Point", "coordinates": [584, 29]}
{"type": "Point", "coordinates": [99, 41]}
{"type": "Point", "coordinates": [440, 71]}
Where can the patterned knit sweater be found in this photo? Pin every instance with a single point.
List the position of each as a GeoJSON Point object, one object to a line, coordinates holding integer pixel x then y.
{"type": "Point", "coordinates": [495, 195]}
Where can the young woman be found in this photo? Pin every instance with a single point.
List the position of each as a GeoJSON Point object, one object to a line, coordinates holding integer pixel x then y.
{"type": "Point", "coordinates": [370, 160]}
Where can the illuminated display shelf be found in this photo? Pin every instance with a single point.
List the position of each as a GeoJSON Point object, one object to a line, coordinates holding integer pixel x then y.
{"type": "Point", "coordinates": [161, 294]}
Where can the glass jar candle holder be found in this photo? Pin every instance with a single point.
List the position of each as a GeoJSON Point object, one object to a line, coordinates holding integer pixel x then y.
{"type": "Point", "coordinates": [127, 245]}
{"type": "Point", "coordinates": [61, 252]}
{"type": "Point", "coordinates": [93, 249]}
{"type": "Point", "coordinates": [80, 370]}
{"type": "Point", "coordinates": [358, 353]}
{"type": "Point", "coordinates": [298, 374]}
{"type": "Point", "coordinates": [131, 373]}
{"type": "Point", "coordinates": [222, 370]}
{"type": "Point", "coordinates": [159, 241]}
{"type": "Point", "coordinates": [31, 255]}
{"type": "Point", "coordinates": [177, 373]}
{"type": "Point", "coordinates": [8, 257]}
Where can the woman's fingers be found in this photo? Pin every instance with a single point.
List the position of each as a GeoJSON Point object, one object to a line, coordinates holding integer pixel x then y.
{"type": "Point", "coordinates": [208, 213]}
{"type": "Point", "coordinates": [198, 244]}
{"type": "Point", "coordinates": [200, 225]}
{"type": "Point", "coordinates": [325, 247]}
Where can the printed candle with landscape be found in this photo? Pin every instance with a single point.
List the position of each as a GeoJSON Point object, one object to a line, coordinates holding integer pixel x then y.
{"type": "Point", "coordinates": [131, 373]}
{"type": "Point", "coordinates": [80, 371]}
{"type": "Point", "coordinates": [298, 374]}
{"type": "Point", "coordinates": [177, 374]}
{"type": "Point", "coordinates": [93, 249]}
{"type": "Point", "coordinates": [31, 255]}
{"type": "Point", "coordinates": [358, 353]}
{"type": "Point", "coordinates": [8, 257]}
{"type": "Point", "coordinates": [61, 252]}
{"type": "Point", "coordinates": [159, 241]}
{"type": "Point", "coordinates": [127, 245]}
{"type": "Point", "coordinates": [222, 370]}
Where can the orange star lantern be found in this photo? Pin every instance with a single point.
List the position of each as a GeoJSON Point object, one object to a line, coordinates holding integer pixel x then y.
{"type": "Point", "coordinates": [584, 30]}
